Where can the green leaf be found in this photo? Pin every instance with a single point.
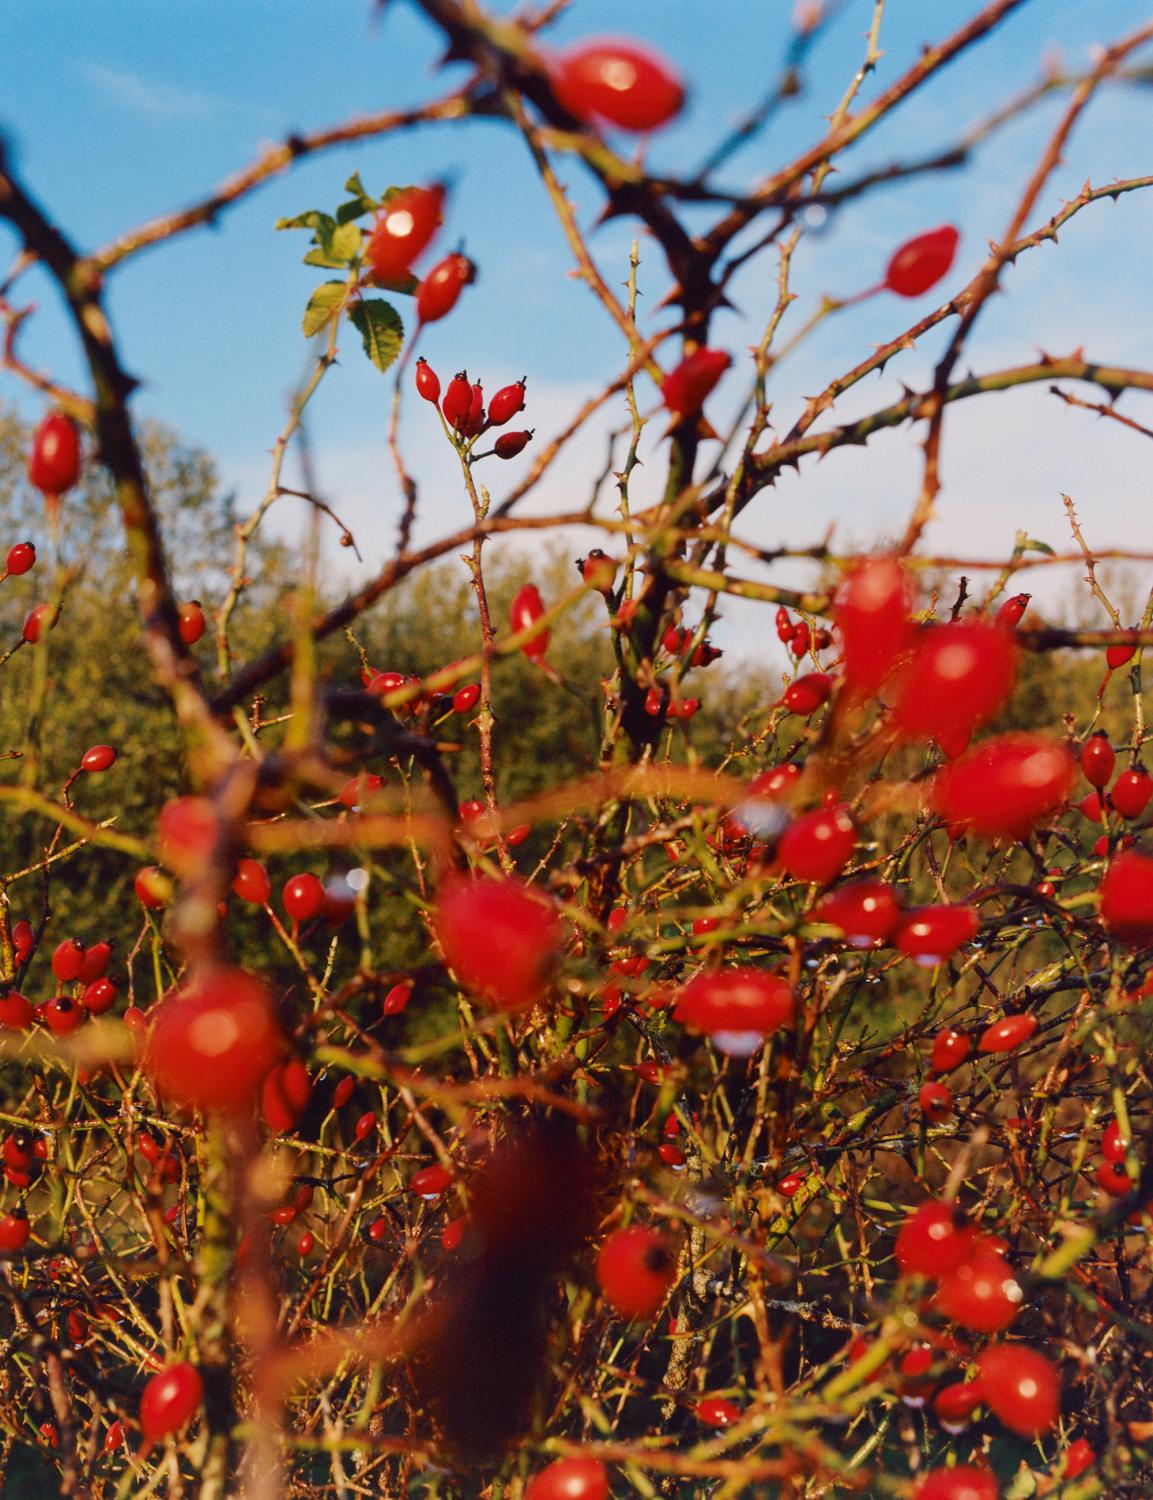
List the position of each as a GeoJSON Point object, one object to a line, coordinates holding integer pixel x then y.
{"type": "Point", "coordinates": [323, 258]}
{"type": "Point", "coordinates": [324, 224]}
{"type": "Point", "coordinates": [381, 329]}
{"type": "Point", "coordinates": [344, 243]}
{"type": "Point", "coordinates": [358, 205]}
{"type": "Point", "coordinates": [323, 303]}
{"type": "Point", "coordinates": [1031, 544]}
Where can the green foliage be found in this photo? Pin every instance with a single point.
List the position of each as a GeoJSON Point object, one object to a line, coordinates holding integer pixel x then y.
{"type": "Point", "coordinates": [380, 327]}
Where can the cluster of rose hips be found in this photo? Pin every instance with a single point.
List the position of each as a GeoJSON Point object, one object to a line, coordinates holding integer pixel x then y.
{"type": "Point", "coordinates": [464, 413]}
{"type": "Point", "coordinates": [684, 652]}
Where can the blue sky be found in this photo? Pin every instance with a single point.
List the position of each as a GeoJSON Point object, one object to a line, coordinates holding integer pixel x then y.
{"type": "Point", "coordinates": [115, 113]}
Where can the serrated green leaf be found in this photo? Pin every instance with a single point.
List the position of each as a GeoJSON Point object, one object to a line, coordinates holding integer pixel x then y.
{"type": "Point", "coordinates": [344, 243]}
{"type": "Point", "coordinates": [322, 258]}
{"type": "Point", "coordinates": [312, 219]}
{"type": "Point", "coordinates": [381, 329]}
{"type": "Point", "coordinates": [325, 300]}
{"type": "Point", "coordinates": [356, 187]}
{"type": "Point", "coordinates": [1031, 544]}
{"type": "Point", "coordinates": [355, 208]}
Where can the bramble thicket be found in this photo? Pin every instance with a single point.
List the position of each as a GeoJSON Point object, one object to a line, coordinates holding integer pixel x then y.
{"type": "Point", "coordinates": [471, 1036]}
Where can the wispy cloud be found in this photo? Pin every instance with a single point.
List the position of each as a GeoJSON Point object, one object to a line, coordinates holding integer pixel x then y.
{"type": "Point", "coordinates": [160, 101]}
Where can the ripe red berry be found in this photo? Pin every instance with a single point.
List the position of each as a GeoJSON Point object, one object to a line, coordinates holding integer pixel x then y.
{"type": "Point", "coordinates": [1114, 1180]}
{"type": "Point", "coordinates": [431, 1183]}
{"type": "Point", "coordinates": [152, 888]}
{"type": "Point", "coordinates": [62, 1015]}
{"type": "Point", "coordinates": [872, 610]}
{"type": "Point", "coordinates": [1117, 656]}
{"type": "Point", "coordinates": [55, 462]}
{"type": "Point", "coordinates": [936, 1102]}
{"type": "Point", "coordinates": [801, 639]}
{"type": "Point", "coordinates": [1132, 791]}
{"type": "Point", "coordinates": [509, 444]}
{"type": "Point", "coordinates": [921, 262]}
{"type": "Point", "coordinates": [1114, 1146]}
{"type": "Point", "coordinates": [1008, 1033]}
{"type": "Point", "coordinates": [342, 1093]}
{"type": "Point", "coordinates": [1127, 898]}
{"type": "Point", "coordinates": [525, 611]}
{"type": "Point", "coordinates": [506, 403]}
{"type": "Point", "coordinates": [170, 1399]}
{"type": "Point", "coordinates": [963, 1482]}
{"type": "Point", "coordinates": [982, 1293]}
{"type": "Point", "coordinates": [950, 1049]}
{"type": "Point", "coordinates": [95, 961]}
{"type": "Point", "coordinates": [365, 1126]}
{"type": "Point", "coordinates": [251, 882]}
{"type": "Point", "coordinates": [805, 695]}
{"type": "Point", "coordinates": [99, 996]}
{"type": "Point", "coordinates": [213, 1042]}
{"type": "Point", "coordinates": [407, 223]}
{"type": "Point", "coordinates": [22, 938]}
{"type": "Point", "coordinates": [427, 381]}
{"type": "Point", "coordinates": [960, 675]}
{"type": "Point", "coordinates": [714, 1411]}
{"type": "Point", "coordinates": [187, 829]}
{"type": "Point", "coordinates": [475, 421]}
{"type": "Point", "coordinates": [931, 933]}
{"type": "Point", "coordinates": [380, 684]}
{"type": "Point", "coordinates": [1021, 1387]}
{"type": "Point", "coordinates": [1011, 613]}
{"type": "Point", "coordinates": [397, 998]}
{"type": "Point", "coordinates": [40, 621]}
{"type": "Point", "coordinates": [866, 911]}
{"type": "Point", "coordinates": [21, 558]}
{"type": "Point", "coordinates": [598, 570]}
{"type": "Point", "coordinates": [68, 960]}
{"type": "Point", "coordinates": [303, 896]}
{"type": "Point", "coordinates": [818, 845]}
{"type": "Point", "coordinates": [114, 1437]}
{"type": "Point", "coordinates": [358, 790]}
{"type": "Point", "coordinates": [932, 1241]}
{"type": "Point", "coordinates": [190, 621]}
{"type": "Point", "coordinates": [15, 1011]}
{"type": "Point", "coordinates": [438, 292]}
{"type": "Point", "coordinates": [284, 1096]}
{"type": "Point", "coordinates": [465, 699]}
{"type": "Point", "coordinates": [457, 403]}
{"type": "Point", "coordinates": [14, 1230]}
{"type": "Point", "coordinates": [736, 1008]}
{"type": "Point", "coordinates": [98, 758]}
{"type": "Point", "coordinates": [306, 1244]}
{"type": "Point", "coordinates": [634, 1270]}
{"type": "Point", "coordinates": [617, 82]}
{"type": "Point", "coordinates": [685, 389]}
{"type": "Point", "coordinates": [1008, 785]}
{"type": "Point", "coordinates": [501, 938]}
{"type": "Point", "coordinates": [1098, 759]}
{"type": "Point", "coordinates": [762, 814]}
{"type": "Point", "coordinates": [955, 1404]}
{"type": "Point", "coordinates": [1079, 1456]}
{"type": "Point", "coordinates": [570, 1479]}
{"type": "Point", "coordinates": [1090, 807]}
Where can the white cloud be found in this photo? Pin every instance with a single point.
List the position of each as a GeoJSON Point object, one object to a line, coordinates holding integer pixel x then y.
{"type": "Point", "coordinates": [162, 102]}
